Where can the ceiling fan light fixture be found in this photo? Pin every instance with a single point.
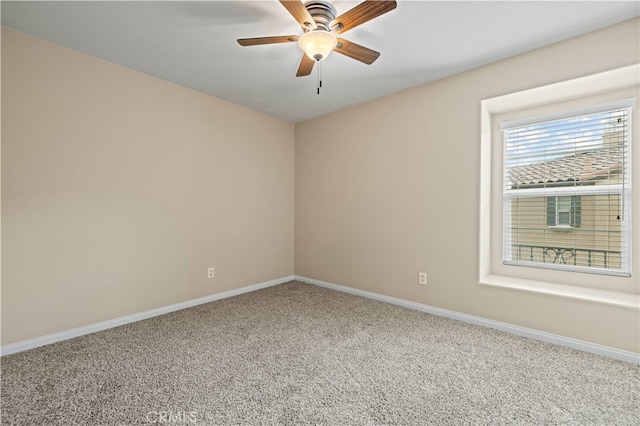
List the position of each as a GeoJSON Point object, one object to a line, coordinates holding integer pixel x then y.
{"type": "Point", "coordinates": [317, 44]}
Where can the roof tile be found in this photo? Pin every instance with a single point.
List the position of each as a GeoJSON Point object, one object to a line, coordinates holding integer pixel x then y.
{"type": "Point", "coordinates": [579, 167]}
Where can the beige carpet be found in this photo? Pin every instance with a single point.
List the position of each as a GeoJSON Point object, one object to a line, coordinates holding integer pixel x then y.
{"type": "Point", "coordinates": [300, 354]}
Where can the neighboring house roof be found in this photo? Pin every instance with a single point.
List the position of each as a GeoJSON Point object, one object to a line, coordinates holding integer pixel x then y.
{"type": "Point", "coordinates": [580, 167]}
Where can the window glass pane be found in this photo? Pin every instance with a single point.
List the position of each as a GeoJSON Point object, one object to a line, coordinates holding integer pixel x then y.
{"type": "Point", "coordinates": [563, 218]}
{"type": "Point", "coordinates": [564, 204]}
{"type": "Point", "coordinates": [565, 185]}
{"type": "Point", "coordinates": [597, 243]}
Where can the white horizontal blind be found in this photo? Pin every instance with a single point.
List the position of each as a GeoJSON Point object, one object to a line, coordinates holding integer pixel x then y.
{"type": "Point", "coordinates": [566, 194]}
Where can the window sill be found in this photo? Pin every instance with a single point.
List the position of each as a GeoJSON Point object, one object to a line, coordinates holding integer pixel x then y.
{"type": "Point", "coordinates": [561, 228]}
{"type": "Point", "coordinates": [607, 297]}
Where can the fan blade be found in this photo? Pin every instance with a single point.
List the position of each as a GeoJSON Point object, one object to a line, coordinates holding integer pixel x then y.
{"type": "Point", "coordinates": [306, 66]}
{"type": "Point", "coordinates": [267, 40]}
{"type": "Point", "coordinates": [355, 51]}
{"type": "Point", "coordinates": [300, 13]}
{"type": "Point", "coordinates": [365, 11]}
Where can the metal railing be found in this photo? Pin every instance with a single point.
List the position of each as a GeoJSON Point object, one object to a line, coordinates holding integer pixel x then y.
{"type": "Point", "coordinates": [564, 255]}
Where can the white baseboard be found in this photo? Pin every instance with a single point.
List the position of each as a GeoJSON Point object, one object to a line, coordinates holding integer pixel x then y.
{"type": "Point", "coordinates": [92, 328]}
{"type": "Point", "coordinates": [581, 345]}
{"type": "Point", "coordinates": [618, 354]}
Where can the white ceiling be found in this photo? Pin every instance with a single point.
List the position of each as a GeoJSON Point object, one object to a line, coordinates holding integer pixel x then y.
{"type": "Point", "coordinates": [194, 43]}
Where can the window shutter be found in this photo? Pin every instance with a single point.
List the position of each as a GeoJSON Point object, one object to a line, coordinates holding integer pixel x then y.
{"type": "Point", "coordinates": [551, 211]}
{"type": "Point", "coordinates": [558, 171]}
{"type": "Point", "coordinates": [576, 211]}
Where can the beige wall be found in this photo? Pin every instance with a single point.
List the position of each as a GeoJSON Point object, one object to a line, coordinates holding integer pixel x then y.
{"type": "Point", "coordinates": [120, 189]}
{"type": "Point", "coordinates": [394, 190]}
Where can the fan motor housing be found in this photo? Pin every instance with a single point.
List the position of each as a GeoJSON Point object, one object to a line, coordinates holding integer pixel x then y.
{"type": "Point", "coordinates": [322, 13]}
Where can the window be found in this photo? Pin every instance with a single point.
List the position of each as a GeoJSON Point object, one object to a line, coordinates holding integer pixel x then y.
{"type": "Point", "coordinates": [561, 174]}
{"type": "Point", "coordinates": [563, 212]}
{"type": "Point", "coordinates": [545, 271]}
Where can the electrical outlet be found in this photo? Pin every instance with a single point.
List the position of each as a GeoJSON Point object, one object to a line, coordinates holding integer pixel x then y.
{"type": "Point", "coordinates": [211, 273]}
{"type": "Point", "coordinates": [422, 278]}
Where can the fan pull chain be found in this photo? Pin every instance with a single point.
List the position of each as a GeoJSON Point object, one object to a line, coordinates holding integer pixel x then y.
{"type": "Point", "coordinates": [319, 77]}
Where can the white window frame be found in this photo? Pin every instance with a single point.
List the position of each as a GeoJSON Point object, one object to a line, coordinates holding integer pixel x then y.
{"type": "Point", "coordinates": [569, 95]}
{"type": "Point", "coordinates": [560, 210]}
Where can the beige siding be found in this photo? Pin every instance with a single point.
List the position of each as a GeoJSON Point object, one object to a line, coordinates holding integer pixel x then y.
{"type": "Point", "coordinates": [597, 240]}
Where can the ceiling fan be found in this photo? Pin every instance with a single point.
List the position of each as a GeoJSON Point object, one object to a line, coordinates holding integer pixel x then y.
{"type": "Point", "coordinates": [321, 27]}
